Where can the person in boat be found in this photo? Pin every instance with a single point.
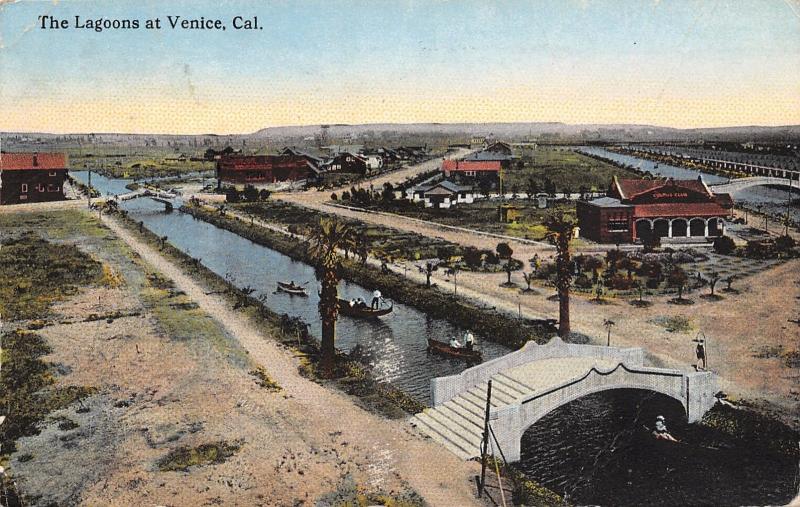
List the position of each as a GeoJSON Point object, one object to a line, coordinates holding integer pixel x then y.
{"type": "Point", "coordinates": [469, 340]}
{"type": "Point", "coordinates": [352, 303]}
{"type": "Point", "coordinates": [455, 343]}
{"type": "Point", "coordinates": [360, 303]}
{"type": "Point", "coordinates": [376, 299]}
{"type": "Point", "coordinates": [661, 432]}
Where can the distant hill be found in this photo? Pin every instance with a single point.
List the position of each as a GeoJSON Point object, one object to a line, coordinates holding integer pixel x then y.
{"type": "Point", "coordinates": [405, 132]}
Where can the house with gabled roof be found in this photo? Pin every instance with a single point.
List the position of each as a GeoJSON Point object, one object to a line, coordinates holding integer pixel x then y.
{"type": "Point", "coordinates": [443, 194]}
{"type": "Point", "coordinates": [32, 177]}
{"type": "Point", "coordinates": [637, 210]}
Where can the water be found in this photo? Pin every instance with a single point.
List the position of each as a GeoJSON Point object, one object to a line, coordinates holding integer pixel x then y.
{"type": "Point", "coordinates": [773, 200]}
{"type": "Point", "coordinates": [596, 451]}
{"type": "Point", "coordinates": [593, 449]}
{"type": "Point", "coordinates": [394, 346]}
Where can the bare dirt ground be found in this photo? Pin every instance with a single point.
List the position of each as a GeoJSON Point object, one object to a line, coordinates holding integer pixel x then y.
{"type": "Point", "coordinates": [158, 391]}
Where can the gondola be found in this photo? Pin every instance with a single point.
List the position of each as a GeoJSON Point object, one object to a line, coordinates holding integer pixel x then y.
{"type": "Point", "coordinates": [294, 290]}
{"type": "Point", "coordinates": [362, 312]}
{"type": "Point", "coordinates": [444, 348]}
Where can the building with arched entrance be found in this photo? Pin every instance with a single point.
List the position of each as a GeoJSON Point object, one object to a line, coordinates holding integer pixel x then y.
{"type": "Point", "coordinates": [635, 210]}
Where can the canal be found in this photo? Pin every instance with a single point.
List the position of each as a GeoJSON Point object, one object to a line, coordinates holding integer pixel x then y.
{"type": "Point", "coordinates": [394, 346]}
{"type": "Point", "coordinates": [594, 449]}
{"type": "Point", "coordinates": [772, 200]}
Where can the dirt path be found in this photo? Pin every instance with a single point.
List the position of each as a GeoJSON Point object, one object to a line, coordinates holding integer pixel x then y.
{"type": "Point", "coordinates": [391, 445]}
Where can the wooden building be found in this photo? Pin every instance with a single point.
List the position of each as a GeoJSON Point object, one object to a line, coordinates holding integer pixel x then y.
{"type": "Point", "coordinates": [262, 170]}
{"type": "Point", "coordinates": [32, 177]}
{"type": "Point", "coordinates": [473, 172]}
{"type": "Point", "coordinates": [636, 210]}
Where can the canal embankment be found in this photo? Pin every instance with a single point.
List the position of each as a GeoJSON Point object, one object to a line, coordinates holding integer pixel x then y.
{"type": "Point", "coordinates": [499, 327]}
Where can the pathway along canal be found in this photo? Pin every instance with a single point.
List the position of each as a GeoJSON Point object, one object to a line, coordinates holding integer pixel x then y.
{"type": "Point", "coordinates": [593, 449]}
{"type": "Point", "coordinates": [773, 199]}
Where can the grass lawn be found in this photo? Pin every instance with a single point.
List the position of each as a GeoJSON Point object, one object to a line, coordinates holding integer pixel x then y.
{"type": "Point", "coordinates": [566, 169]}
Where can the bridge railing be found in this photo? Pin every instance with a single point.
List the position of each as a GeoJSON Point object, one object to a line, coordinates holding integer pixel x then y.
{"type": "Point", "coordinates": [445, 388]}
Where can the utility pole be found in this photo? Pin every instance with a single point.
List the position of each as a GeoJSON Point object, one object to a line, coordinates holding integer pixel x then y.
{"type": "Point", "coordinates": [485, 444]}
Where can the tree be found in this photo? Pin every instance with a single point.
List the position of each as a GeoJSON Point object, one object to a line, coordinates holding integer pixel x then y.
{"type": "Point", "coordinates": [509, 269]}
{"type": "Point", "coordinates": [326, 238]}
{"type": "Point", "coordinates": [560, 230]}
{"type": "Point", "coordinates": [529, 278]}
{"type": "Point", "coordinates": [678, 279]}
{"type": "Point", "coordinates": [728, 282]}
{"type": "Point", "coordinates": [387, 194]}
{"type": "Point", "coordinates": [593, 263]}
{"type": "Point", "coordinates": [549, 187]}
{"type": "Point", "coordinates": [628, 265]}
{"type": "Point", "coordinates": [430, 267]}
{"type": "Point", "coordinates": [532, 188]}
{"type": "Point", "coordinates": [713, 278]}
{"type": "Point", "coordinates": [724, 245]}
{"type": "Point", "coordinates": [784, 244]}
{"type": "Point", "coordinates": [250, 193]}
{"type": "Point", "coordinates": [608, 324]}
{"type": "Point", "coordinates": [472, 257]}
{"type": "Point", "coordinates": [504, 251]}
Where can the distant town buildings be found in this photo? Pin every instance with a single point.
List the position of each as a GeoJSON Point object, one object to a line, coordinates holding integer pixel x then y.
{"type": "Point", "coordinates": [262, 170]}
{"type": "Point", "coordinates": [32, 177]}
{"type": "Point", "coordinates": [638, 210]}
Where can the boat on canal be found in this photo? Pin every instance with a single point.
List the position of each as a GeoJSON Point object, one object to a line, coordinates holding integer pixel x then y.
{"type": "Point", "coordinates": [444, 348]}
{"type": "Point", "coordinates": [363, 312]}
{"type": "Point", "coordinates": [291, 288]}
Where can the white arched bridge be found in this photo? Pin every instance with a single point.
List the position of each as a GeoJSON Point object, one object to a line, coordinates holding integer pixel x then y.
{"type": "Point", "coordinates": [537, 379]}
{"type": "Point", "coordinates": [738, 184]}
{"type": "Point", "coordinates": [164, 197]}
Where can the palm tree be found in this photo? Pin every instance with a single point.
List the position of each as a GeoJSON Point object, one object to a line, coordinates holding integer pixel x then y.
{"type": "Point", "coordinates": [560, 231]}
{"type": "Point", "coordinates": [326, 239]}
{"type": "Point", "coordinates": [608, 323]}
{"type": "Point", "coordinates": [430, 267]}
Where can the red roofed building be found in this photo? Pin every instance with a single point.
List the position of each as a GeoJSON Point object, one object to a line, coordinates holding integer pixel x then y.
{"type": "Point", "coordinates": [635, 210]}
{"type": "Point", "coordinates": [472, 171]}
{"type": "Point", "coordinates": [32, 177]}
{"type": "Point", "coordinates": [264, 169]}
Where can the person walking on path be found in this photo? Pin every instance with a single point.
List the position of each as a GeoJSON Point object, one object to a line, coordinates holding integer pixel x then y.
{"type": "Point", "coordinates": [700, 351]}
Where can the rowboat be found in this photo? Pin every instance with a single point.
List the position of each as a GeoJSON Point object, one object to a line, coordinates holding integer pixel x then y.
{"type": "Point", "coordinates": [444, 348]}
{"type": "Point", "coordinates": [362, 312]}
{"type": "Point", "coordinates": [294, 290]}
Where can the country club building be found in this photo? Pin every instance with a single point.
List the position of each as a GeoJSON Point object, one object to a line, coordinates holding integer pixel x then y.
{"type": "Point", "coordinates": [635, 210]}
{"type": "Point", "coordinates": [32, 177]}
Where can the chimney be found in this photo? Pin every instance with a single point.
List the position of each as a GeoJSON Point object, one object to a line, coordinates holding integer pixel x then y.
{"type": "Point", "coordinates": [35, 159]}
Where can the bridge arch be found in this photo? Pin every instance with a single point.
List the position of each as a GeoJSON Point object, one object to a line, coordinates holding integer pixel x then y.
{"type": "Point", "coordinates": [740, 184]}
{"type": "Point", "coordinates": [510, 423]}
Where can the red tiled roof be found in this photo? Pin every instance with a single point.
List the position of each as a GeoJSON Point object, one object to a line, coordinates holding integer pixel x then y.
{"type": "Point", "coordinates": [680, 209]}
{"type": "Point", "coordinates": [23, 161]}
{"type": "Point", "coordinates": [632, 188]}
{"type": "Point", "coordinates": [471, 165]}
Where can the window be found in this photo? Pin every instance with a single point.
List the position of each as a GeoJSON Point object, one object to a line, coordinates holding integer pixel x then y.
{"type": "Point", "coordinates": [24, 187]}
{"type": "Point", "coordinates": [52, 188]}
{"type": "Point", "coordinates": [40, 187]}
{"type": "Point", "coordinates": [53, 173]}
{"type": "Point", "coordinates": [617, 226]}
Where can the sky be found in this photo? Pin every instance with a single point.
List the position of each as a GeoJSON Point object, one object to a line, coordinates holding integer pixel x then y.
{"type": "Point", "coordinates": [674, 63]}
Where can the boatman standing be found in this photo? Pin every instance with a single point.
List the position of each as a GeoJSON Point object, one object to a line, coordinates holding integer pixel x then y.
{"type": "Point", "coordinates": [376, 299]}
{"type": "Point", "coordinates": [469, 340]}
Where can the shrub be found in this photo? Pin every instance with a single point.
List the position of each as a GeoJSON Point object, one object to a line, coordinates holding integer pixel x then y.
{"type": "Point", "coordinates": [472, 257]}
{"type": "Point", "coordinates": [784, 244]}
{"type": "Point", "coordinates": [620, 282]}
{"type": "Point", "coordinates": [724, 245]}
{"type": "Point", "coordinates": [583, 282]}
